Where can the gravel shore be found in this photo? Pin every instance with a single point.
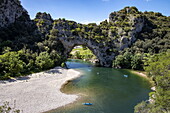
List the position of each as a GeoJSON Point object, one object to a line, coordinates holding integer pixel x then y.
{"type": "Point", "coordinates": [38, 92]}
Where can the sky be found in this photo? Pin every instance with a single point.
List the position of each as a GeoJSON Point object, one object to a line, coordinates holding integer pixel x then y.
{"type": "Point", "coordinates": [89, 11]}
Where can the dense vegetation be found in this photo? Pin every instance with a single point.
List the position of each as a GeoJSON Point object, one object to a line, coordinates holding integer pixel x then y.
{"type": "Point", "coordinates": [17, 63]}
{"type": "Point", "coordinates": [158, 68]}
{"type": "Point", "coordinates": [154, 38]}
{"type": "Point", "coordinates": [39, 37]}
{"type": "Point", "coordinates": [82, 53]}
{"type": "Point", "coordinates": [24, 49]}
{"type": "Point", "coordinates": [28, 46]}
{"type": "Point", "coordinates": [5, 108]}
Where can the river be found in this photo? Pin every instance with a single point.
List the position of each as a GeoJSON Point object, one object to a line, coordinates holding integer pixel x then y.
{"type": "Point", "coordinates": [106, 88]}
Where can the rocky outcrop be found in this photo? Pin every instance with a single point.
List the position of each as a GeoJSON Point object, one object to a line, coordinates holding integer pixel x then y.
{"type": "Point", "coordinates": [16, 27]}
{"type": "Point", "coordinates": [124, 25]}
{"type": "Point", "coordinates": [137, 25]}
{"type": "Point", "coordinates": [44, 22]}
{"type": "Point", "coordinates": [130, 23]}
{"type": "Point", "coordinates": [70, 40]}
{"type": "Point", "coordinates": [69, 33]}
{"type": "Point", "coordinates": [10, 11]}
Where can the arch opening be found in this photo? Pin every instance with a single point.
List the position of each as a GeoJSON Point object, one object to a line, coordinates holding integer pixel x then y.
{"type": "Point", "coordinates": [104, 58]}
{"type": "Point", "coordinates": [84, 53]}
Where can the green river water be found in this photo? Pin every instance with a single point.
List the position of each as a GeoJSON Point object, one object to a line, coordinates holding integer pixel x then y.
{"type": "Point", "coordinates": [106, 88]}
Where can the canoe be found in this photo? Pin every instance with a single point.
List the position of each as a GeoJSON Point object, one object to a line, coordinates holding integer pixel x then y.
{"type": "Point", "coordinates": [89, 104]}
{"type": "Point", "coordinates": [125, 76]}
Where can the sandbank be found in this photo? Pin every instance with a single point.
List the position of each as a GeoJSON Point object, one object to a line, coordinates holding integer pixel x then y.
{"type": "Point", "coordinates": [38, 92]}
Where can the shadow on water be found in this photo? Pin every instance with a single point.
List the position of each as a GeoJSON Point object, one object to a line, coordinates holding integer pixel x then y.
{"type": "Point", "coordinates": [76, 63]}
{"type": "Point", "coordinates": [106, 88]}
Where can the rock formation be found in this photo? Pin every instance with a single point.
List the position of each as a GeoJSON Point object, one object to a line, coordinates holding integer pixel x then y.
{"type": "Point", "coordinates": [70, 34]}
{"type": "Point", "coordinates": [10, 11]}
{"type": "Point", "coordinates": [104, 49]}
{"type": "Point", "coordinates": [100, 39]}
{"type": "Point", "coordinates": [44, 22]}
{"type": "Point", "coordinates": [133, 21]}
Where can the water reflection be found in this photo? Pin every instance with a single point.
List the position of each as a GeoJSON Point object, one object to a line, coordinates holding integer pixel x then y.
{"type": "Point", "coordinates": [106, 88]}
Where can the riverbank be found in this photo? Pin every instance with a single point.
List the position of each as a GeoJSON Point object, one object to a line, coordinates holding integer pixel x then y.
{"type": "Point", "coordinates": [143, 74]}
{"type": "Point", "coordinates": [38, 92]}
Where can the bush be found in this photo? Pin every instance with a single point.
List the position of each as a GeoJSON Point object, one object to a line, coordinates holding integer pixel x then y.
{"type": "Point", "coordinates": [5, 108]}
{"type": "Point", "coordinates": [43, 61]}
{"type": "Point", "coordinates": [11, 64]}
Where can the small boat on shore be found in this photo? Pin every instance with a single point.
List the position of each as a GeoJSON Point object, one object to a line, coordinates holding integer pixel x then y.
{"type": "Point", "coordinates": [125, 76]}
{"type": "Point", "coordinates": [88, 104]}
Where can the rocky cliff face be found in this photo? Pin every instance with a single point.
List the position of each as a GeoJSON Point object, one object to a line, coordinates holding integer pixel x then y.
{"type": "Point", "coordinates": [44, 22]}
{"type": "Point", "coordinates": [131, 22]}
{"type": "Point", "coordinates": [104, 40]}
{"type": "Point", "coordinates": [17, 30]}
{"type": "Point", "coordinates": [10, 11]}
{"type": "Point", "coordinates": [128, 40]}
{"type": "Point", "coordinates": [124, 25]}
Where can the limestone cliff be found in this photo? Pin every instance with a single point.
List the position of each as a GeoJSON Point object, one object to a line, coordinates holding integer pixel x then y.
{"type": "Point", "coordinates": [17, 30]}
{"type": "Point", "coordinates": [10, 11]}
{"type": "Point", "coordinates": [129, 23]}
{"type": "Point", "coordinates": [44, 22]}
{"type": "Point", "coordinates": [104, 40]}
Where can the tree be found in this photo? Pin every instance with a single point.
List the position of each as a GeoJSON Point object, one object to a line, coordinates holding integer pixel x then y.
{"type": "Point", "coordinates": [43, 61]}
{"type": "Point", "coordinates": [11, 65]}
{"type": "Point", "coordinates": [54, 32]}
{"type": "Point", "coordinates": [127, 59]}
{"type": "Point", "coordinates": [158, 64]}
{"type": "Point", "coordinates": [56, 57]}
{"type": "Point", "coordinates": [118, 62]}
{"type": "Point", "coordinates": [137, 62]}
{"type": "Point", "coordinates": [159, 69]}
{"type": "Point", "coordinates": [5, 108]}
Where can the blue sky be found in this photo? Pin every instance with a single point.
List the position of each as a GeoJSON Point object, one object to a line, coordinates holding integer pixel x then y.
{"type": "Point", "coordinates": [85, 11]}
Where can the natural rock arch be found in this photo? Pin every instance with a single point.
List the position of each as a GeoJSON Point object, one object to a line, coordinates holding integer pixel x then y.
{"type": "Point", "coordinates": [104, 47]}
{"type": "Point", "coordinates": [102, 53]}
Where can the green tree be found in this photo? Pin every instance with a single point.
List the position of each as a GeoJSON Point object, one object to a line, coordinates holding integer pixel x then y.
{"type": "Point", "coordinates": [54, 32]}
{"type": "Point", "coordinates": [119, 61]}
{"type": "Point", "coordinates": [127, 60]}
{"type": "Point", "coordinates": [43, 61]}
{"type": "Point", "coordinates": [159, 69]}
{"type": "Point", "coordinates": [11, 65]}
{"type": "Point", "coordinates": [5, 108]}
{"type": "Point", "coordinates": [137, 62]}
